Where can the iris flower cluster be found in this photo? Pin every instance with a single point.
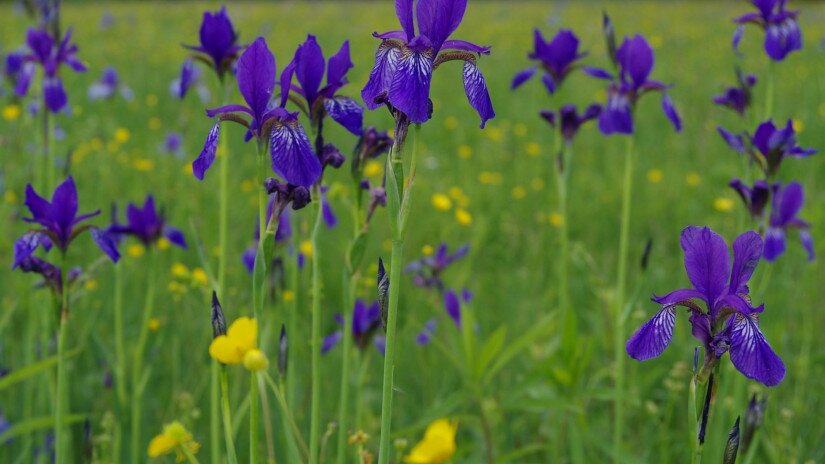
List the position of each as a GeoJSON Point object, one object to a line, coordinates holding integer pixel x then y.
{"type": "Point", "coordinates": [50, 54]}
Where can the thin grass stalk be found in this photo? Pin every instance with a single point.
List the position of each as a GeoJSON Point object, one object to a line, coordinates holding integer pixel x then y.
{"type": "Point", "coordinates": [315, 344]}
{"type": "Point", "coordinates": [619, 311]}
{"type": "Point", "coordinates": [231, 457]}
{"type": "Point", "coordinates": [253, 418]}
{"type": "Point", "coordinates": [61, 402]}
{"type": "Point", "coordinates": [343, 397]}
{"type": "Point", "coordinates": [137, 360]}
{"type": "Point", "coordinates": [120, 363]}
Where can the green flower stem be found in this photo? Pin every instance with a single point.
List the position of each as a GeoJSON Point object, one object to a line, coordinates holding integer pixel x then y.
{"type": "Point", "coordinates": [396, 209]}
{"type": "Point", "coordinates": [270, 442]}
{"type": "Point", "coordinates": [278, 391]}
{"type": "Point", "coordinates": [120, 363]}
{"type": "Point", "coordinates": [315, 345]}
{"type": "Point", "coordinates": [231, 457]}
{"type": "Point", "coordinates": [61, 402]}
{"type": "Point", "coordinates": [260, 260]}
{"type": "Point", "coordinates": [562, 173]}
{"type": "Point", "coordinates": [138, 383]}
{"type": "Point", "coordinates": [619, 311]}
{"type": "Point", "coordinates": [343, 398]}
{"type": "Point", "coordinates": [48, 149]}
{"type": "Point", "coordinates": [694, 422]}
{"type": "Point", "coordinates": [189, 456]}
{"type": "Point", "coordinates": [253, 418]}
{"type": "Point", "coordinates": [292, 324]}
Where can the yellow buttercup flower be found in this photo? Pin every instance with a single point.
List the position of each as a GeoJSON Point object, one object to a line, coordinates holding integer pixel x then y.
{"type": "Point", "coordinates": [654, 176]}
{"type": "Point", "coordinates": [463, 217]}
{"type": "Point", "coordinates": [288, 295]}
{"type": "Point", "coordinates": [442, 202]}
{"type": "Point", "coordinates": [306, 248]}
{"type": "Point", "coordinates": [438, 445]}
{"type": "Point", "coordinates": [154, 324]}
{"type": "Point", "coordinates": [135, 250]}
{"type": "Point", "coordinates": [723, 205]}
{"type": "Point", "coordinates": [373, 168]}
{"type": "Point", "coordinates": [11, 112]}
{"type": "Point", "coordinates": [427, 250]}
{"type": "Point", "coordinates": [239, 345]}
{"type": "Point", "coordinates": [200, 277]}
{"type": "Point", "coordinates": [180, 270]}
{"type": "Point", "coordinates": [122, 135]}
{"type": "Point", "coordinates": [693, 179]}
{"type": "Point", "coordinates": [176, 438]}
{"type": "Point", "coordinates": [465, 151]}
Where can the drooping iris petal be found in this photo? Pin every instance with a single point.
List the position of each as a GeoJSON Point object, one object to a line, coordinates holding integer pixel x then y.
{"type": "Point", "coordinates": [105, 242]}
{"type": "Point", "coordinates": [175, 236]}
{"type": "Point", "coordinates": [706, 261]}
{"type": "Point", "coordinates": [549, 83]}
{"type": "Point", "coordinates": [737, 39]}
{"type": "Point", "coordinates": [187, 78]}
{"type": "Point", "coordinates": [807, 243]}
{"type": "Point", "coordinates": [751, 353]}
{"type": "Point", "coordinates": [654, 336]}
{"type": "Point", "coordinates": [292, 155]}
{"type": "Point", "coordinates": [309, 67]}
{"type": "Point", "coordinates": [774, 243]}
{"type": "Point", "coordinates": [346, 112]}
{"type": "Point", "coordinates": [747, 251]}
{"type": "Point", "coordinates": [331, 340]}
{"type": "Point", "coordinates": [54, 94]}
{"type": "Point", "coordinates": [782, 38]}
{"type": "Point", "coordinates": [522, 76]}
{"type": "Point", "coordinates": [476, 89]}
{"type": "Point", "coordinates": [328, 215]}
{"type": "Point", "coordinates": [256, 76]}
{"type": "Point", "coordinates": [207, 155]}
{"type": "Point", "coordinates": [26, 245]}
{"type": "Point", "coordinates": [24, 80]}
{"type": "Point", "coordinates": [787, 203]}
{"type": "Point", "coordinates": [735, 141]}
{"type": "Point", "coordinates": [453, 307]}
{"type": "Point", "coordinates": [616, 117]}
{"type": "Point", "coordinates": [670, 111]}
{"type": "Point", "coordinates": [409, 91]}
{"type": "Point", "coordinates": [598, 73]}
{"type": "Point", "coordinates": [381, 76]}
{"type": "Point", "coordinates": [678, 296]}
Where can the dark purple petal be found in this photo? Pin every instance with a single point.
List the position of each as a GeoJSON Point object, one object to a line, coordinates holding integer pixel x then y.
{"type": "Point", "coordinates": [234, 108]}
{"type": "Point", "coordinates": [309, 67]}
{"type": "Point", "coordinates": [346, 112]}
{"type": "Point", "coordinates": [636, 59]}
{"type": "Point", "coordinates": [598, 73]}
{"type": "Point", "coordinates": [24, 80]}
{"type": "Point", "coordinates": [671, 113]}
{"type": "Point", "coordinates": [549, 83]}
{"type": "Point", "coordinates": [26, 245]}
{"type": "Point", "coordinates": [706, 261]}
{"type": "Point", "coordinates": [248, 258]}
{"type": "Point", "coordinates": [256, 76]}
{"type": "Point", "coordinates": [292, 155]}
{"type": "Point", "coordinates": [737, 38]}
{"type": "Point", "coordinates": [404, 11]}
{"type": "Point", "coordinates": [207, 155]}
{"type": "Point", "coordinates": [453, 307]}
{"type": "Point", "coordinates": [54, 94]}
{"type": "Point", "coordinates": [331, 340]}
{"type": "Point", "coordinates": [616, 116]}
{"type": "Point", "coordinates": [338, 65]}
{"type": "Point", "coordinates": [654, 336]}
{"type": "Point", "coordinates": [476, 89]}
{"type": "Point", "coordinates": [807, 243]}
{"type": "Point", "coordinates": [409, 91]}
{"type": "Point", "coordinates": [187, 77]}
{"type": "Point", "coordinates": [522, 76]}
{"type": "Point", "coordinates": [735, 141]}
{"type": "Point", "coordinates": [786, 204]}
{"type": "Point", "coordinates": [678, 296]}
{"type": "Point", "coordinates": [39, 206]}
{"type": "Point", "coordinates": [328, 215]}
{"type": "Point", "coordinates": [700, 327]}
{"type": "Point", "coordinates": [175, 236]}
{"type": "Point", "coordinates": [465, 46]}
{"type": "Point", "coordinates": [782, 38]}
{"type": "Point", "coordinates": [381, 76]}
{"type": "Point", "coordinates": [751, 353]}
{"type": "Point", "coordinates": [437, 19]}
{"type": "Point", "coordinates": [64, 208]}
{"type": "Point", "coordinates": [747, 251]}
{"type": "Point", "coordinates": [218, 37]}
{"type": "Point", "coordinates": [106, 242]}
{"type": "Point", "coordinates": [774, 243]}
{"type": "Point", "coordinates": [762, 137]}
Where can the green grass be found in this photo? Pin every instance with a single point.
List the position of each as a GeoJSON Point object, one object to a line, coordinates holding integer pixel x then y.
{"type": "Point", "coordinates": [546, 405]}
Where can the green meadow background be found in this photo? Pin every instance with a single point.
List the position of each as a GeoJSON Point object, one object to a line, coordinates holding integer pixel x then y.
{"type": "Point", "coordinates": [545, 404]}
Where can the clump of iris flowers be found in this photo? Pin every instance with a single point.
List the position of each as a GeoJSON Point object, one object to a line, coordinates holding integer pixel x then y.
{"type": "Point", "coordinates": [427, 270]}
{"type": "Point", "coordinates": [782, 33]}
{"type": "Point", "coordinates": [768, 146]}
{"type": "Point", "coordinates": [730, 323]}
{"type": "Point", "coordinates": [740, 97]}
{"type": "Point", "coordinates": [147, 224]}
{"type": "Point", "coordinates": [366, 323]}
{"type": "Point", "coordinates": [557, 59]}
{"type": "Point", "coordinates": [45, 51]}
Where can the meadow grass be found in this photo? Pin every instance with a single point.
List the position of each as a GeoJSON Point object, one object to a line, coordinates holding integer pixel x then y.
{"type": "Point", "coordinates": [547, 404]}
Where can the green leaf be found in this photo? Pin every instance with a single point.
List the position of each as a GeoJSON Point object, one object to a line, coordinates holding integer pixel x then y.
{"type": "Point", "coordinates": [38, 423]}
{"type": "Point", "coordinates": [202, 256]}
{"type": "Point", "coordinates": [541, 329]}
{"type": "Point", "coordinates": [492, 346]}
{"type": "Point", "coordinates": [356, 252]}
{"type": "Point", "coordinates": [394, 190]}
{"type": "Point", "coordinates": [20, 375]}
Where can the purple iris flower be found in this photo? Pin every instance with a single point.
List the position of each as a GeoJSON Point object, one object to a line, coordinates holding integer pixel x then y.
{"type": "Point", "coordinates": [427, 270]}
{"type": "Point", "coordinates": [785, 206]}
{"type": "Point", "coordinates": [366, 320]}
{"type": "Point", "coordinates": [730, 323]}
{"type": "Point", "coordinates": [426, 334]}
{"type": "Point", "coordinates": [44, 51]}
{"type": "Point", "coordinates": [282, 234]}
{"type": "Point", "coordinates": [330, 219]}
{"type": "Point", "coordinates": [309, 64]}
{"type": "Point", "coordinates": [13, 64]}
{"type": "Point", "coordinates": [738, 98]}
{"type": "Point", "coordinates": [452, 305]}
{"type": "Point", "coordinates": [218, 42]}
{"type": "Point", "coordinates": [290, 149]}
{"type": "Point", "coordinates": [768, 146]}
{"type": "Point", "coordinates": [404, 62]}
{"type": "Point", "coordinates": [173, 143]}
{"type": "Point", "coordinates": [148, 225]}
{"type": "Point", "coordinates": [190, 76]}
{"type": "Point", "coordinates": [108, 85]}
{"type": "Point", "coordinates": [782, 33]}
{"type": "Point", "coordinates": [557, 58]}
{"type": "Point", "coordinates": [635, 61]}
{"type": "Point", "coordinates": [569, 120]}
{"type": "Point", "coordinates": [755, 198]}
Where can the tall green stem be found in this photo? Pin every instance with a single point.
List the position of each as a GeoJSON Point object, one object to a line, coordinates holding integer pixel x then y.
{"type": "Point", "coordinates": [315, 345]}
{"type": "Point", "coordinates": [562, 172]}
{"type": "Point", "coordinates": [61, 402]}
{"type": "Point", "coordinates": [343, 398]}
{"type": "Point", "coordinates": [231, 458]}
{"type": "Point", "coordinates": [138, 383]}
{"type": "Point", "coordinates": [396, 207]}
{"type": "Point", "coordinates": [769, 90]}
{"type": "Point", "coordinates": [694, 423]}
{"type": "Point", "coordinates": [120, 362]}
{"type": "Point", "coordinates": [253, 418]}
{"type": "Point", "coordinates": [619, 311]}
{"type": "Point", "coordinates": [48, 148]}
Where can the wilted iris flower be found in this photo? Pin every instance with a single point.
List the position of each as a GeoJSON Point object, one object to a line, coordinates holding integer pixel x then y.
{"type": "Point", "coordinates": [755, 198]}
{"type": "Point", "coordinates": [635, 62]}
{"type": "Point", "coordinates": [405, 61]}
{"type": "Point", "coordinates": [317, 101]}
{"type": "Point", "coordinates": [785, 206]}
{"type": "Point", "coordinates": [730, 323]}
{"type": "Point", "coordinates": [148, 225]}
{"type": "Point", "coordinates": [108, 85]}
{"type": "Point", "coordinates": [427, 270]}
{"type": "Point", "coordinates": [272, 125]}
{"type": "Point", "coordinates": [768, 146]}
{"type": "Point", "coordinates": [366, 321]}
{"type": "Point", "coordinates": [556, 58]}
{"type": "Point", "coordinates": [738, 98]}
{"type": "Point", "coordinates": [569, 120]}
{"type": "Point", "coordinates": [218, 46]}
{"type": "Point", "coordinates": [50, 56]}
{"type": "Point", "coordinates": [782, 33]}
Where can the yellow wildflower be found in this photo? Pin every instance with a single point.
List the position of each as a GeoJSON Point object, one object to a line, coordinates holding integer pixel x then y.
{"type": "Point", "coordinates": [556, 219]}
{"type": "Point", "coordinates": [10, 197]}
{"type": "Point", "coordinates": [155, 123]}
{"type": "Point", "coordinates": [451, 122]}
{"type": "Point", "coordinates": [519, 192]}
{"type": "Point", "coordinates": [798, 125]}
{"type": "Point", "coordinates": [154, 324]}
{"type": "Point", "coordinates": [533, 149]}
{"type": "Point", "coordinates": [456, 193]}
{"type": "Point", "coordinates": [164, 243]}
{"type": "Point", "coordinates": [135, 250]}
{"type": "Point", "coordinates": [180, 270]}
{"type": "Point", "coordinates": [90, 285]}
{"type": "Point", "coordinates": [438, 445]}
{"type": "Point", "coordinates": [463, 217]}
{"type": "Point", "coordinates": [373, 168]}
{"type": "Point", "coordinates": [489, 178]}
{"type": "Point", "coordinates": [239, 345]}
{"type": "Point", "coordinates": [723, 205]}
{"type": "Point", "coordinates": [122, 135]}
{"type": "Point", "coordinates": [199, 276]}
{"type": "Point", "coordinates": [288, 295]}
{"type": "Point", "coordinates": [187, 169]}
{"type": "Point", "coordinates": [465, 152]}
{"type": "Point", "coordinates": [306, 248]}
{"type": "Point", "coordinates": [693, 179]}
{"type": "Point", "coordinates": [442, 202]}
{"type": "Point", "coordinates": [143, 164]}
{"type": "Point", "coordinates": [176, 438]}
{"type": "Point", "coordinates": [11, 112]}
{"type": "Point", "coordinates": [654, 176]}
{"type": "Point", "coordinates": [427, 250]}
{"type": "Point", "coordinates": [151, 100]}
